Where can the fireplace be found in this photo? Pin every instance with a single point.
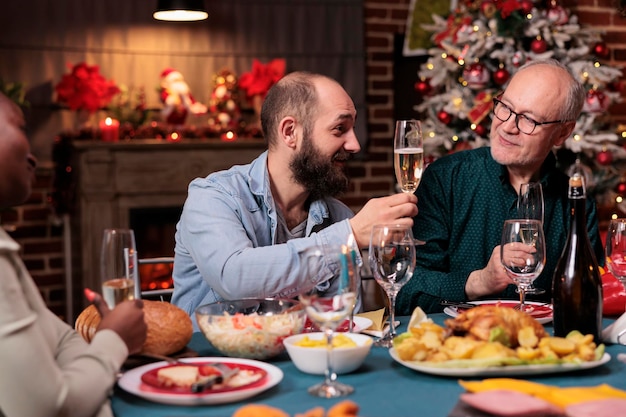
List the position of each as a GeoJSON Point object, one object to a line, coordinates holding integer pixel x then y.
{"type": "Point", "coordinates": [141, 183]}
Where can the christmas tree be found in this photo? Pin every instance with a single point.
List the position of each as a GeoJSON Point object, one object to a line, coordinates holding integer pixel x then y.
{"type": "Point", "coordinates": [480, 45]}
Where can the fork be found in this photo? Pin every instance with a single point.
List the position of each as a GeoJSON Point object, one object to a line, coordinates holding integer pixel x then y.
{"type": "Point", "coordinates": [225, 374]}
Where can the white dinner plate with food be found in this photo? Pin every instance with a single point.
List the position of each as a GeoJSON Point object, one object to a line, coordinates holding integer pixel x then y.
{"type": "Point", "coordinates": [541, 312]}
{"type": "Point", "coordinates": [143, 382]}
{"type": "Point", "coordinates": [464, 368]}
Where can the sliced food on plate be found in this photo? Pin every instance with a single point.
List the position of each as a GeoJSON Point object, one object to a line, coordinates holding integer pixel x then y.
{"type": "Point", "coordinates": [491, 336]}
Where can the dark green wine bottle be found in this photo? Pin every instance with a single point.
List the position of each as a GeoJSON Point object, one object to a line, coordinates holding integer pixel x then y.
{"type": "Point", "coordinates": [576, 284]}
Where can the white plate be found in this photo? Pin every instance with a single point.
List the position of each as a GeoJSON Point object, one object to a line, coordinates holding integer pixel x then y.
{"type": "Point", "coordinates": [539, 315]}
{"type": "Point", "coordinates": [499, 370]}
{"type": "Point", "coordinates": [131, 382]}
{"type": "Point", "coordinates": [360, 324]}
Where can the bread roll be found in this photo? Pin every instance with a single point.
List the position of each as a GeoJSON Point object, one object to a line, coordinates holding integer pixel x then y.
{"type": "Point", "coordinates": [169, 327]}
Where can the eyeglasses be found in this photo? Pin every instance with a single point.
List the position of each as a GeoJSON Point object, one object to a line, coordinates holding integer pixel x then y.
{"type": "Point", "coordinates": [523, 123]}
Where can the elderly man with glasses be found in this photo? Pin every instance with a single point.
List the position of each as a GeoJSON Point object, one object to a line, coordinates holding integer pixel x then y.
{"type": "Point", "coordinates": [465, 197]}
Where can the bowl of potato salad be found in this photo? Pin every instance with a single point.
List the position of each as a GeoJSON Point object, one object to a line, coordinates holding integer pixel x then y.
{"type": "Point", "coordinates": [308, 351]}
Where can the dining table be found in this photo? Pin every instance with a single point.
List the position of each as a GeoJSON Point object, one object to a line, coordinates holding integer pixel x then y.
{"type": "Point", "coordinates": [382, 386]}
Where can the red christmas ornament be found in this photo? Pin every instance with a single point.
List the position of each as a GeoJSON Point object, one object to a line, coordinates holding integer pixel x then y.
{"type": "Point", "coordinates": [501, 76]}
{"type": "Point", "coordinates": [480, 130]}
{"type": "Point", "coordinates": [601, 50]}
{"type": "Point", "coordinates": [444, 117]}
{"type": "Point", "coordinates": [621, 188]}
{"type": "Point", "coordinates": [604, 158]}
{"type": "Point", "coordinates": [476, 76]}
{"type": "Point", "coordinates": [538, 45]}
{"type": "Point", "coordinates": [527, 6]}
{"type": "Point", "coordinates": [423, 87]}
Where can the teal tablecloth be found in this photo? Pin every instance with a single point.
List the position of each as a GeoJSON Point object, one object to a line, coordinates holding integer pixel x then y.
{"type": "Point", "coordinates": [383, 388]}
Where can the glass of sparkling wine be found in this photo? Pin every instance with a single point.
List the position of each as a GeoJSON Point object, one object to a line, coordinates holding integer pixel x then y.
{"type": "Point", "coordinates": [328, 310]}
{"type": "Point", "coordinates": [119, 271]}
{"type": "Point", "coordinates": [408, 155]}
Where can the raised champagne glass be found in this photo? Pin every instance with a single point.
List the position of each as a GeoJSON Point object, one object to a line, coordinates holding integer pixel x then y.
{"type": "Point", "coordinates": [408, 153]}
{"type": "Point", "coordinates": [119, 271]}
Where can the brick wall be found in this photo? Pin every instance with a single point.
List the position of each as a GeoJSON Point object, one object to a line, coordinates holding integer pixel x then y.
{"type": "Point", "coordinates": [42, 238]}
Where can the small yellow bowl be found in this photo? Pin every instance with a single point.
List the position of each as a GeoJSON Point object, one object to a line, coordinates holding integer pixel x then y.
{"type": "Point", "coordinates": [312, 360]}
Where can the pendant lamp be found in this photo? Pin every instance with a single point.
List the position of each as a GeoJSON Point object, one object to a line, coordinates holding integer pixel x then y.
{"type": "Point", "coordinates": [180, 10]}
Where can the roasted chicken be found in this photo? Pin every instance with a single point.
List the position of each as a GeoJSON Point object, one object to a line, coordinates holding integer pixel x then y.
{"type": "Point", "coordinates": [493, 323]}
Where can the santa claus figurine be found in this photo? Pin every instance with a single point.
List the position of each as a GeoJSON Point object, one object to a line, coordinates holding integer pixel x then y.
{"type": "Point", "coordinates": [177, 99]}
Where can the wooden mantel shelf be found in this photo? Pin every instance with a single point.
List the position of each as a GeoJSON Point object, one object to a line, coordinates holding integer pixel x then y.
{"type": "Point", "coordinates": [211, 143]}
{"type": "Point", "coordinates": [111, 179]}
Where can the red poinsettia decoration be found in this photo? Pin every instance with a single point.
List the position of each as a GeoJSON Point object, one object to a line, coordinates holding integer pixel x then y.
{"type": "Point", "coordinates": [262, 77]}
{"type": "Point", "coordinates": [84, 88]}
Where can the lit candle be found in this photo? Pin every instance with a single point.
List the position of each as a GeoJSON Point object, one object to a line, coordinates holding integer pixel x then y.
{"type": "Point", "coordinates": [229, 136]}
{"type": "Point", "coordinates": [109, 130]}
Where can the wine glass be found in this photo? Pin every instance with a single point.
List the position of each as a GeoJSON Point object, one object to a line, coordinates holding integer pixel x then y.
{"type": "Point", "coordinates": [328, 311]}
{"type": "Point", "coordinates": [523, 253]}
{"type": "Point", "coordinates": [616, 249]}
{"type": "Point", "coordinates": [392, 260]}
{"type": "Point", "coordinates": [119, 272]}
{"type": "Point", "coordinates": [408, 153]}
{"type": "Point", "coordinates": [530, 205]}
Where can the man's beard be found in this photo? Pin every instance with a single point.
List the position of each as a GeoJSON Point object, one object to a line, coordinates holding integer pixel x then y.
{"type": "Point", "coordinates": [319, 175]}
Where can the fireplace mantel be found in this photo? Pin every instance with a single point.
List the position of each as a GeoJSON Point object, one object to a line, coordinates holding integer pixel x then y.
{"type": "Point", "coordinates": [110, 179]}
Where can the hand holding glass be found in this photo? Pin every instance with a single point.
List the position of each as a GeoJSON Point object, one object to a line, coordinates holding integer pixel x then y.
{"type": "Point", "coordinates": [118, 267]}
{"type": "Point", "coordinates": [408, 154]}
{"type": "Point", "coordinates": [328, 311]}
{"type": "Point", "coordinates": [523, 253]}
{"type": "Point", "coordinates": [392, 260]}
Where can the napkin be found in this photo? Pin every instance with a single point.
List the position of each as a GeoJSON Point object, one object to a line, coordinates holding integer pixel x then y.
{"type": "Point", "coordinates": [380, 325]}
{"type": "Point", "coordinates": [616, 332]}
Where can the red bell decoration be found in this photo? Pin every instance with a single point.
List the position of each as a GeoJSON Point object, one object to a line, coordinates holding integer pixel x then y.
{"type": "Point", "coordinates": [444, 117]}
{"type": "Point", "coordinates": [501, 76]}
{"type": "Point", "coordinates": [488, 8]}
{"type": "Point", "coordinates": [423, 87]}
{"type": "Point", "coordinates": [596, 102]}
{"type": "Point", "coordinates": [538, 45]}
{"type": "Point", "coordinates": [518, 59]}
{"type": "Point", "coordinates": [601, 50]}
{"type": "Point", "coordinates": [476, 76]}
{"type": "Point", "coordinates": [558, 15]}
{"type": "Point", "coordinates": [527, 6]}
{"type": "Point", "coordinates": [604, 158]}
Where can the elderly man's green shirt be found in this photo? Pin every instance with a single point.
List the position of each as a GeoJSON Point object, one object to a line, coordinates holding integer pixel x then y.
{"type": "Point", "coordinates": [463, 200]}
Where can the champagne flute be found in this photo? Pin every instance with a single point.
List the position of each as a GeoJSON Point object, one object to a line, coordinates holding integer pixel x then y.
{"type": "Point", "coordinates": [392, 260]}
{"type": "Point", "coordinates": [530, 205]}
{"type": "Point", "coordinates": [118, 267]}
{"type": "Point", "coordinates": [523, 253]}
{"type": "Point", "coordinates": [328, 311]}
{"type": "Point", "coordinates": [615, 249]}
{"type": "Point", "coordinates": [408, 153]}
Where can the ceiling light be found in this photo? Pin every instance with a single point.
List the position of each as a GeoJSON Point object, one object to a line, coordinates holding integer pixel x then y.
{"type": "Point", "coordinates": [180, 10]}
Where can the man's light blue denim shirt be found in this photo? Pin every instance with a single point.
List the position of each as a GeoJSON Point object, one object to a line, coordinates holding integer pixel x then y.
{"type": "Point", "coordinates": [225, 241]}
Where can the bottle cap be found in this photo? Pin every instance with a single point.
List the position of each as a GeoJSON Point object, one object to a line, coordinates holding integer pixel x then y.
{"type": "Point", "coordinates": [577, 186]}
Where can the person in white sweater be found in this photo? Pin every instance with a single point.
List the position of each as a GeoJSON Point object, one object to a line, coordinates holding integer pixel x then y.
{"type": "Point", "coordinates": [46, 368]}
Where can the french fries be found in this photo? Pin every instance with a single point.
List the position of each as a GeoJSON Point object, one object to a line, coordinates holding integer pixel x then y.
{"type": "Point", "coordinates": [429, 342]}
